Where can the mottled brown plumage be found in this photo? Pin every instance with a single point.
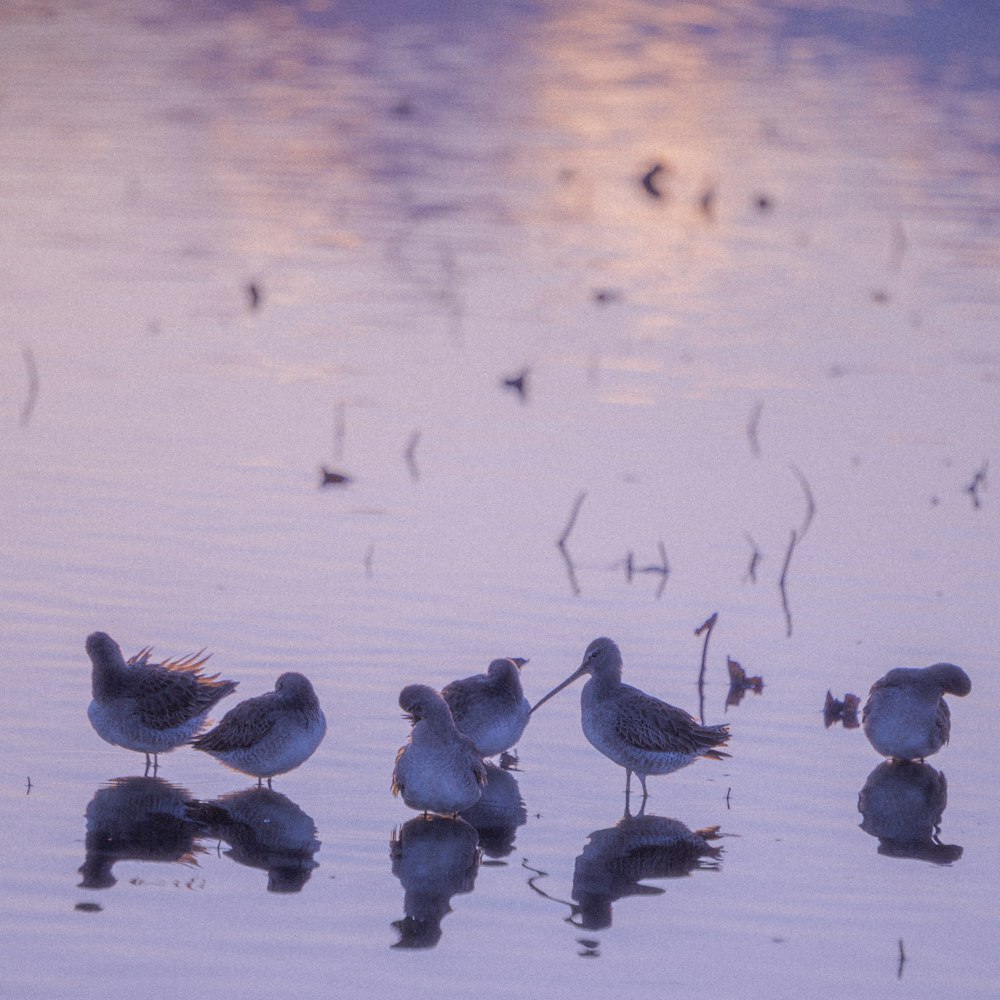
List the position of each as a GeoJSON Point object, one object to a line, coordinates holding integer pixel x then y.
{"type": "Point", "coordinates": [632, 728]}
{"type": "Point", "coordinates": [149, 707]}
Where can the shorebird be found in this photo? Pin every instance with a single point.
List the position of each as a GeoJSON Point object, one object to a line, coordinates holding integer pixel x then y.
{"type": "Point", "coordinates": [632, 728]}
{"type": "Point", "coordinates": [439, 770]}
{"type": "Point", "coordinates": [270, 734]}
{"type": "Point", "coordinates": [149, 707]}
{"type": "Point", "coordinates": [490, 708]}
{"type": "Point", "coordinates": [906, 716]}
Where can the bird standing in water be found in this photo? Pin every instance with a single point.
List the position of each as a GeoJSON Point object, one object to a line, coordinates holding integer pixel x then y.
{"type": "Point", "coordinates": [270, 734]}
{"type": "Point", "coordinates": [438, 770]}
{"type": "Point", "coordinates": [635, 730]}
{"type": "Point", "coordinates": [149, 707]}
{"type": "Point", "coordinates": [490, 708]}
{"type": "Point", "coordinates": [906, 716]}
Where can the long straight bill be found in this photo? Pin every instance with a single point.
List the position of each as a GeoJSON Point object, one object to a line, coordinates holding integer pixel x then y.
{"type": "Point", "coordinates": [566, 683]}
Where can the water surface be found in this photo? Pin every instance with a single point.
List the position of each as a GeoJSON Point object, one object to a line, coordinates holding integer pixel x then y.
{"type": "Point", "coordinates": [798, 334]}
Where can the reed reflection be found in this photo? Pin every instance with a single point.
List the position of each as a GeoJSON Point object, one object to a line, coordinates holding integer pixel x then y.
{"type": "Point", "coordinates": [615, 861]}
{"type": "Point", "coordinates": [498, 813]}
{"type": "Point", "coordinates": [136, 819]}
{"type": "Point", "coordinates": [434, 857]}
{"type": "Point", "coordinates": [902, 804]}
{"type": "Point", "coordinates": [265, 830]}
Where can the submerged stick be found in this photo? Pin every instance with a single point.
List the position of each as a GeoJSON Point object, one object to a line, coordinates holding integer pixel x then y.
{"type": "Point", "coordinates": [662, 569]}
{"type": "Point", "coordinates": [561, 542]}
{"type": "Point", "coordinates": [978, 481]}
{"type": "Point", "coordinates": [706, 627]}
{"type": "Point", "coordinates": [411, 462]}
{"type": "Point", "coordinates": [752, 423]}
{"type": "Point", "coordinates": [577, 504]}
{"type": "Point", "coordinates": [782, 580]}
{"type": "Point", "coordinates": [755, 558]}
{"type": "Point", "coordinates": [902, 960]}
{"type": "Point", "coordinates": [369, 556]}
{"type": "Point", "coordinates": [810, 502]}
{"type": "Point", "coordinates": [33, 384]}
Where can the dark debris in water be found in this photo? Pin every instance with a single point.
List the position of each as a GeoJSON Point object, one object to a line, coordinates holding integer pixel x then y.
{"type": "Point", "coordinates": [845, 711]}
{"type": "Point", "coordinates": [518, 383]}
{"type": "Point", "coordinates": [649, 179]}
{"type": "Point", "coordinates": [88, 908]}
{"type": "Point", "coordinates": [740, 683]}
{"type": "Point", "coordinates": [330, 477]}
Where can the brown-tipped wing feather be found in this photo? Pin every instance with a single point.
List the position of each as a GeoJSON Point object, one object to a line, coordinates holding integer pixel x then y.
{"type": "Point", "coordinates": [650, 724]}
{"type": "Point", "coordinates": [170, 693]}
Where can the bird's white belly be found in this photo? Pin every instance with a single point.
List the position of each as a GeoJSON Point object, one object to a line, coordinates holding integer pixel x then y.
{"type": "Point", "coordinates": [117, 723]}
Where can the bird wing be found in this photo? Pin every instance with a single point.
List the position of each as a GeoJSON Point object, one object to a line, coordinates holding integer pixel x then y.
{"type": "Point", "coordinates": [240, 728]}
{"type": "Point", "coordinates": [171, 693]}
{"type": "Point", "coordinates": [461, 694]}
{"type": "Point", "coordinates": [647, 723]}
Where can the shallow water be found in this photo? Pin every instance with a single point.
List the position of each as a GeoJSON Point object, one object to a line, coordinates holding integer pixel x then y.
{"type": "Point", "coordinates": [428, 204]}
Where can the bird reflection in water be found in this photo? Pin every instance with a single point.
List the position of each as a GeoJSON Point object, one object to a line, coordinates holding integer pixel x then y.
{"type": "Point", "coordinates": [137, 819]}
{"type": "Point", "coordinates": [902, 804]}
{"type": "Point", "coordinates": [434, 857]}
{"type": "Point", "coordinates": [265, 830]}
{"type": "Point", "coordinates": [498, 813]}
{"type": "Point", "coordinates": [615, 861]}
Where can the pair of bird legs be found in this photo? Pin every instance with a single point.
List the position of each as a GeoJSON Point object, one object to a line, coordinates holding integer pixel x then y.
{"type": "Point", "coordinates": [154, 764]}
{"type": "Point", "coordinates": [628, 792]}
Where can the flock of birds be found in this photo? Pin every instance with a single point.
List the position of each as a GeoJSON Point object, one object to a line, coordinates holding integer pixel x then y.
{"type": "Point", "coordinates": [153, 708]}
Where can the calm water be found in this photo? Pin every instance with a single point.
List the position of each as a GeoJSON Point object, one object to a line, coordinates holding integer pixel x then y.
{"type": "Point", "coordinates": [428, 204]}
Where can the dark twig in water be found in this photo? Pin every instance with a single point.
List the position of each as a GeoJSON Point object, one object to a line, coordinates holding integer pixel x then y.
{"type": "Point", "coordinates": [369, 558]}
{"type": "Point", "coordinates": [570, 570]}
{"type": "Point", "coordinates": [561, 542]}
{"type": "Point", "coordinates": [518, 383]}
{"type": "Point", "coordinates": [902, 960]}
{"type": "Point", "coordinates": [649, 180]}
{"type": "Point", "coordinates": [330, 477]}
{"type": "Point", "coordinates": [752, 424]}
{"type": "Point", "coordinates": [783, 579]}
{"type": "Point", "coordinates": [978, 482]}
{"type": "Point", "coordinates": [33, 384]}
{"type": "Point", "coordinates": [574, 513]}
{"type": "Point", "coordinates": [409, 454]}
{"type": "Point", "coordinates": [706, 203]}
{"type": "Point", "coordinates": [729, 791]}
{"type": "Point", "coordinates": [810, 503]}
{"type": "Point", "coordinates": [706, 627]}
{"type": "Point", "coordinates": [255, 295]}
{"type": "Point", "coordinates": [662, 568]}
{"type": "Point", "coordinates": [29, 786]}
{"type": "Point", "coordinates": [755, 558]}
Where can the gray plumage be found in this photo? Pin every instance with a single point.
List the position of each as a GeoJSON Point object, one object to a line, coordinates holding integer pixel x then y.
{"type": "Point", "coordinates": [906, 716]}
{"type": "Point", "coordinates": [490, 708]}
{"type": "Point", "coordinates": [149, 707]}
{"type": "Point", "coordinates": [632, 728]}
{"type": "Point", "coordinates": [438, 770]}
{"type": "Point", "coordinates": [271, 734]}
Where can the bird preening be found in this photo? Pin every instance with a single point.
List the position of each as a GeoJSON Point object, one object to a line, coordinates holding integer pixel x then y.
{"type": "Point", "coordinates": [155, 708]}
